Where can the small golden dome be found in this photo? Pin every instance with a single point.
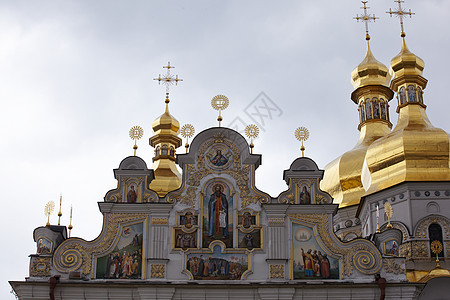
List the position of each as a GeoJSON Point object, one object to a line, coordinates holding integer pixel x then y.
{"type": "Point", "coordinates": [407, 63]}
{"type": "Point", "coordinates": [165, 140]}
{"type": "Point", "coordinates": [370, 72]}
{"type": "Point", "coordinates": [166, 123]}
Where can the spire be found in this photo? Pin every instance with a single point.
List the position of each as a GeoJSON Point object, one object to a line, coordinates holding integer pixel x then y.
{"type": "Point", "coordinates": [165, 141]}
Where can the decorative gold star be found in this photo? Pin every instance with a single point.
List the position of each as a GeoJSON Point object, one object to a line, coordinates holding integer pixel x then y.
{"type": "Point", "coordinates": [187, 131]}
{"type": "Point", "coordinates": [220, 102]}
{"type": "Point", "coordinates": [302, 134]}
{"type": "Point", "coordinates": [252, 132]}
{"type": "Point", "coordinates": [136, 133]}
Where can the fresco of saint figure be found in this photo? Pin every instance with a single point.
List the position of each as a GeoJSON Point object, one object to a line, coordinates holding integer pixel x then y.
{"type": "Point", "coordinates": [131, 195]}
{"type": "Point", "coordinates": [218, 213]}
{"type": "Point", "coordinates": [310, 260]}
{"type": "Point", "coordinates": [305, 196]}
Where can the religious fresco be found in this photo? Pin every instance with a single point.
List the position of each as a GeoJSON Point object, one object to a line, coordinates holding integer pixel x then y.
{"type": "Point", "coordinates": [217, 265]}
{"type": "Point", "coordinates": [310, 261]}
{"type": "Point", "coordinates": [218, 157]}
{"type": "Point", "coordinates": [125, 261]}
{"type": "Point", "coordinates": [217, 214]}
{"type": "Point", "coordinates": [250, 240]}
{"type": "Point", "coordinates": [185, 240]}
{"type": "Point", "coordinates": [305, 194]}
{"type": "Point", "coordinates": [391, 248]}
{"type": "Point", "coordinates": [132, 194]}
{"type": "Point", "coordinates": [246, 220]}
{"type": "Point", "coordinates": [44, 246]}
{"type": "Point", "coordinates": [188, 220]}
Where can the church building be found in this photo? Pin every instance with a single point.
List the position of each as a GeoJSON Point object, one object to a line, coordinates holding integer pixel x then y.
{"type": "Point", "coordinates": [375, 221]}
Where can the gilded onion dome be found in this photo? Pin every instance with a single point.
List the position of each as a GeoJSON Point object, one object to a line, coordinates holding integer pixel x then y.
{"type": "Point", "coordinates": [165, 141]}
{"type": "Point", "coordinates": [414, 150]}
{"type": "Point", "coordinates": [342, 178]}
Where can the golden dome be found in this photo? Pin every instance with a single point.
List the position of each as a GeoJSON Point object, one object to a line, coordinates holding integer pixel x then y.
{"type": "Point", "coordinates": [342, 177]}
{"type": "Point", "coordinates": [414, 150]}
{"type": "Point", "coordinates": [370, 71]}
{"type": "Point", "coordinates": [407, 63]}
{"type": "Point", "coordinates": [166, 123]}
{"type": "Point", "coordinates": [165, 140]}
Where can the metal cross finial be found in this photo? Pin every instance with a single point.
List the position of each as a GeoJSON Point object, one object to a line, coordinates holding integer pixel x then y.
{"type": "Point", "coordinates": [168, 79]}
{"type": "Point", "coordinates": [400, 12]}
{"type": "Point", "coordinates": [366, 18]}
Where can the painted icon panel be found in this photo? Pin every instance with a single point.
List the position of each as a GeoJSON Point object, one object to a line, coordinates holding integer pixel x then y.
{"type": "Point", "coordinates": [44, 246]}
{"type": "Point", "coordinates": [391, 248]}
{"type": "Point", "coordinates": [247, 220]}
{"type": "Point", "coordinates": [125, 261]}
{"type": "Point", "coordinates": [185, 240]}
{"type": "Point", "coordinates": [217, 265]}
{"type": "Point", "coordinates": [250, 240]}
{"type": "Point", "coordinates": [310, 261]}
{"type": "Point", "coordinates": [217, 214]}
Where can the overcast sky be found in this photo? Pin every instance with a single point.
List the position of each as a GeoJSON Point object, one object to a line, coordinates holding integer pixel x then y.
{"type": "Point", "coordinates": [75, 76]}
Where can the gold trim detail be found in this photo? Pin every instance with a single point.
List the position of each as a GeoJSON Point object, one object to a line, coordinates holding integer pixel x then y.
{"type": "Point", "coordinates": [390, 266]}
{"type": "Point", "coordinates": [276, 221]}
{"type": "Point", "coordinates": [40, 267]}
{"type": "Point", "coordinates": [160, 221]}
{"type": "Point", "coordinates": [276, 271]}
{"type": "Point", "coordinates": [241, 174]}
{"type": "Point", "coordinates": [157, 270]}
{"type": "Point", "coordinates": [75, 253]}
{"type": "Point", "coordinates": [422, 227]}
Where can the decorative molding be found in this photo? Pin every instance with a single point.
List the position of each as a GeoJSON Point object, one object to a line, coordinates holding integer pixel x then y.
{"type": "Point", "coordinates": [276, 221]}
{"type": "Point", "coordinates": [390, 266]}
{"type": "Point", "coordinates": [241, 174]}
{"type": "Point", "coordinates": [421, 230]}
{"type": "Point", "coordinates": [160, 221]}
{"type": "Point", "coordinates": [40, 267]}
{"type": "Point", "coordinates": [157, 270]}
{"type": "Point", "coordinates": [397, 225]}
{"type": "Point", "coordinates": [276, 271]}
{"type": "Point", "coordinates": [420, 249]}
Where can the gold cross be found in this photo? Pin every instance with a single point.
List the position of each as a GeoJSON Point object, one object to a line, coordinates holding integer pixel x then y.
{"type": "Point", "coordinates": [366, 18]}
{"type": "Point", "coordinates": [168, 79]}
{"type": "Point", "coordinates": [400, 12]}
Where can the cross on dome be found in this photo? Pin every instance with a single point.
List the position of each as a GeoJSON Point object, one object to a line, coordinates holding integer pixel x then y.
{"type": "Point", "coordinates": [366, 18]}
{"type": "Point", "coordinates": [400, 12]}
{"type": "Point", "coordinates": [168, 79]}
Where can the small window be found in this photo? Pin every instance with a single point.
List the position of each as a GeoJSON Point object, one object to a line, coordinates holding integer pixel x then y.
{"type": "Point", "coordinates": [412, 93]}
{"type": "Point", "coordinates": [362, 114]}
{"type": "Point", "coordinates": [383, 109]}
{"type": "Point", "coordinates": [368, 109]}
{"type": "Point", "coordinates": [376, 108]}
{"type": "Point", "coordinates": [435, 234]}
{"type": "Point", "coordinates": [420, 94]}
{"type": "Point", "coordinates": [164, 150]}
{"type": "Point", "coordinates": [402, 95]}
